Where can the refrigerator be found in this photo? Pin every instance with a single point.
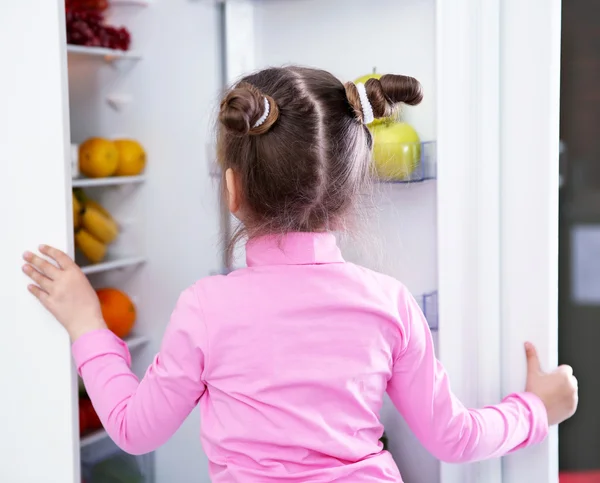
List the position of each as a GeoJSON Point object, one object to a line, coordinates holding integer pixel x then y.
{"type": "Point", "coordinates": [474, 236]}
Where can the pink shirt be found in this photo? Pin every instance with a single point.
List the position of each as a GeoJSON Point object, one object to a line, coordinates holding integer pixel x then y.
{"type": "Point", "coordinates": [289, 360]}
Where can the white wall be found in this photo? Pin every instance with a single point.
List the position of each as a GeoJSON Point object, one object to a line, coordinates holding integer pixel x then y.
{"type": "Point", "coordinates": [173, 217]}
{"type": "Point", "coordinates": [37, 408]}
{"type": "Point", "coordinates": [349, 38]}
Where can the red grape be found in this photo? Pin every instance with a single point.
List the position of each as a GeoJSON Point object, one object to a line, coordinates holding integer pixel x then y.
{"type": "Point", "coordinates": [85, 26]}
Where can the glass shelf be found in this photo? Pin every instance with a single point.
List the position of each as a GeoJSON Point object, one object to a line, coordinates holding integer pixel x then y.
{"type": "Point", "coordinates": [93, 438]}
{"type": "Point", "coordinates": [107, 458]}
{"type": "Point", "coordinates": [426, 168]}
{"type": "Point", "coordinates": [429, 305]}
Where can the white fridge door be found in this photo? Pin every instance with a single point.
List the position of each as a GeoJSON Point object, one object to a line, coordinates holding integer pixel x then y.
{"type": "Point", "coordinates": [498, 118]}
{"type": "Point", "coordinates": [38, 440]}
{"type": "Point", "coordinates": [529, 146]}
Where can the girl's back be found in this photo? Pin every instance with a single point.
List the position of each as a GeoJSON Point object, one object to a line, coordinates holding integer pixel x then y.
{"type": "Point", "coordinates": [299, 351]}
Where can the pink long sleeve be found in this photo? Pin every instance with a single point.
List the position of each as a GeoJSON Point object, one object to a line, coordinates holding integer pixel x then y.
{"type": "Point", "coordinates": [140, 416]}
{"type": "Point", "coordinates": [444, 426]}
{"type": "Point", "coordinates": [289, 360]}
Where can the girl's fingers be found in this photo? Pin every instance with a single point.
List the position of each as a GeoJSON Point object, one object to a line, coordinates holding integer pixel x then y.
{"type": "Point", "coordinates": [44, 282]}
{"type": "Point", "coordinates": [568, 370]}
{"type": "Point", "coordinates": [63, 260]}
{"type": "Point", "coordinates": [42, 265]}
{"type": "Point", "coordinates": [39, 293]}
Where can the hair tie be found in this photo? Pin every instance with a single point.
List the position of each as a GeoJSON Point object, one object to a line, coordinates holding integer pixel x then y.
{"type": "Point", "coordinates": [263, 118]}
{"type": "Point", "coordinates": [365, 104]}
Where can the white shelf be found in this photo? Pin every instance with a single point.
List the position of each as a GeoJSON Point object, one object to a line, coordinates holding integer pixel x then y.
{"type": "Point", "coordinates": [109, 181]}
{"type": "Point", "coordinates": [136, 341]}
{"type": "Point", "coordinates": [108, 54]}
{"type": "Point", "coordinates": [134, 3]}
{"type": "Point", "coordinates": [93, 438]}
{"type": "Point", "coordinates": [112, 265]}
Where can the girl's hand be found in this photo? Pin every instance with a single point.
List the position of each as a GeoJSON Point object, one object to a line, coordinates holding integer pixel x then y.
{"type": "Point", "coordinates": [65, 291]}
{"type": "Point", "coordinates": [557, 389]}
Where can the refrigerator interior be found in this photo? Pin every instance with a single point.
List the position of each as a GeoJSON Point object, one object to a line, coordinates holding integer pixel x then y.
{"type": "Point", "coordinates": [169, 220]}
{"type": "Point", "coordinates": [164, 94]}
{"type": "Point", "coordinates": [398, 233]}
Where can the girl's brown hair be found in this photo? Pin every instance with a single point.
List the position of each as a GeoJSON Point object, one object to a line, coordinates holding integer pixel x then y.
{"type": "Point", "coordinates": [303, 168]}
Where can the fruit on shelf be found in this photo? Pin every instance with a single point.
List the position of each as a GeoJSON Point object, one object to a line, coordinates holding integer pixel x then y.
{"type": "Point", "coordinates": [98, 158]}
{"type": "Point", "coordinates": [96, 228]}
{"type": "Point", "coordinates": [81, 390]}
{"type": "Point", "coordinates": [80, 195]}
{"type": "Point", "coordinates": [83, 424]}
{"type": "Point", "coordinates": [93, 249]}
{"type": "Point", "coordinates": [85, 26]}
{"type": "Point", "coordinates": [98, 225]}
{"type": "Point", "coordinates": [77, 210]}
{"type": "Point", "coordinates": [86, 201]}
{"type": "Point", "coordinates": [86, 5]}
{"type": "Point", "coordinates": [88, 418]}
{"type": "Point", "coordinates": [364, 78]}
{"type": "Point", "coordinates": [115, 38]}
{"type": "Point", "coordinates": [118, 311]}
{"type": "Point", "coordinates": [396, 150]}
{"type": "Point", "coordinates": [97, 206]}
{"type": "Point", "coordinates": [132, 157]}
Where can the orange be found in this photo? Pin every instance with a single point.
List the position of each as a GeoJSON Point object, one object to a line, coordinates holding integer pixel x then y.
{"type": "Point", "coordinates": [98, 158]}
{"type": "Point", "coordinates": [132, 157]}
{"type": "Point", "coordinates": [118, 311]}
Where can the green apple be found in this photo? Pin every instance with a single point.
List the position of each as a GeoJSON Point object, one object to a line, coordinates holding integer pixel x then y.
{"type": "Point", "coordinates": [396, 150]}
{"type": "Point", "coordinates": [363, 79]}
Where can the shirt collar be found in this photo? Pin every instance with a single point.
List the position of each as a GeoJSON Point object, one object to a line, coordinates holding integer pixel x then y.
{"type": "Point", "coordinates": [293, 249]}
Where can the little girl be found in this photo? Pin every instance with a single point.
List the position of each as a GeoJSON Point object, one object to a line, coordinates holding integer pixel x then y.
{"type": "Point", "coordinates": [289, 359]}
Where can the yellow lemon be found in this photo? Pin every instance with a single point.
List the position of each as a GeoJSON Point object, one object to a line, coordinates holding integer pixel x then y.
{"type": "Point", "coordinates": [132, 157]}
{"type": "Point", "coordinates": [98, 158]}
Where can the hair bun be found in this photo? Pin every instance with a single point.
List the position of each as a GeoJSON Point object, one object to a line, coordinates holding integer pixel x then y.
{"type": "Point", "coordinates": [389, 91]}
{"type": "Point", "coordinates": [243, 106]}
{"type": "Point", "coordinates": [385, 94]}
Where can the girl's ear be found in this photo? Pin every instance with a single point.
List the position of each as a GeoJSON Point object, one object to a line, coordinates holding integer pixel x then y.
{"type": "Point", "coordinates": [234, 192]}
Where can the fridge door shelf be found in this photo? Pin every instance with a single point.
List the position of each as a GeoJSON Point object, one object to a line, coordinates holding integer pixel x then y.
{"type": "Point", "coordinates": [429, 305]}
{"type": "Point", "coordinates": [426, 168]}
